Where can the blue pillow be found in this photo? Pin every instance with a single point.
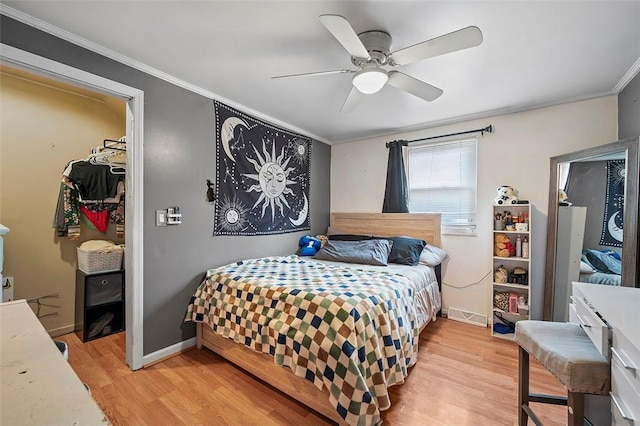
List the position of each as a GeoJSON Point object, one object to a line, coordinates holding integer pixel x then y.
{"type": "Point", "coordinates": [406, 251]}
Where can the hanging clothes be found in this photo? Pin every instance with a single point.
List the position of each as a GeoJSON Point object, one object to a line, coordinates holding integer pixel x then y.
{"type": "Point", "coordinates": [58, 217]}
{"type": "Point", "coordinates": [94, 181]}
{"type": "Point", "coordinates": [92, 190]}
{"type": "Point", "coordinates": [98, 217]}
{"type": "Point", "coordinates": [87, 222]}
{"type": "Point", "coordinates": [114, 200]}
{"type": "Point", "coordinates": [66, 219]}
{"type": "Point", "coordinates": [117, 218]}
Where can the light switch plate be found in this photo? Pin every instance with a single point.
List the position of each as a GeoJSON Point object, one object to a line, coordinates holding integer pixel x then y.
{"type": "Point", "coordinates": [161, 218]}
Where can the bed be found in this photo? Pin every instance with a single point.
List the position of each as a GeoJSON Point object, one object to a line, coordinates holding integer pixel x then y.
{"type": "Point", "coordinates": [602, 267]}
{"type": "Point", "coordinates": [346, 332]}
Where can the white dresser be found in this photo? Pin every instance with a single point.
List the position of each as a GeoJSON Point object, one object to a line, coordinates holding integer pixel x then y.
{"type": "Point", "coordinates": [38, 386]}
{"type": "Point", "coordinates": [611, 318]}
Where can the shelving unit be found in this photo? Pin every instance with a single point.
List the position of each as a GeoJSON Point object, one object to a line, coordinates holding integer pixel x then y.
{"type": "Point", "coordinates": [512, 287]}
{"type": "Point", "coordinates": [99, 295]}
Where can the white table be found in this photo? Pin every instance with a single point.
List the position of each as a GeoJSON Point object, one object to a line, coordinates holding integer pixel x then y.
{"type": "Point", "coordinates": [37, 386]}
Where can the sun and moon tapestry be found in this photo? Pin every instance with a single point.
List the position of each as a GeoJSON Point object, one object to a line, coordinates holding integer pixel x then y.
{"type": "Point", "coordinates": [262, 176]}
{"type": "Point", "coordinates": [612, 226]}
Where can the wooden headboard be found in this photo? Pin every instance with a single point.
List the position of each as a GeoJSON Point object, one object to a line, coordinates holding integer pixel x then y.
{"type": "Point", "coordinates": [425, 226]}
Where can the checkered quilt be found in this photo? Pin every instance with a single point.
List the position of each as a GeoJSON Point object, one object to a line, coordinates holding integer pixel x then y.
{"type": "Point", "coordinates": [350, 330]}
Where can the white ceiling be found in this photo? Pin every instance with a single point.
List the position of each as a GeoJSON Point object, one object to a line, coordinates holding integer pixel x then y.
{"type": "Point", "coordinates": [534, 53]}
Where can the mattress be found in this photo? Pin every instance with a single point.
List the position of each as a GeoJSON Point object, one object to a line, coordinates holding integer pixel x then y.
{"type": "Point", "coordinates": [352, 329]}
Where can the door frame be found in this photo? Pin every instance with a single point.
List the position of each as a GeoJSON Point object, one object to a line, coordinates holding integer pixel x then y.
{"type": "Point", "coordinates": [134, 253]}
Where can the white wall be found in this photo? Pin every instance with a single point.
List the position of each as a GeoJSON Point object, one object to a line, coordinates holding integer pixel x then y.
{"type": "Point", "coordinates": [516, 154]}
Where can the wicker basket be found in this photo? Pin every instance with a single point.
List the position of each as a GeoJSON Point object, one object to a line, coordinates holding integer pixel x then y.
{"type": "Point", "coordinates": [104, 260]}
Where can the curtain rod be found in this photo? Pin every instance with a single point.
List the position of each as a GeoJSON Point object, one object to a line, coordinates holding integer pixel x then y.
{"type": "Point", "coordinates": [488, 129]}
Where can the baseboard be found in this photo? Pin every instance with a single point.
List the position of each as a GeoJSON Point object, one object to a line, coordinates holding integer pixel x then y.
{"type": "Point", "coordinates": [167, 352]}
{"type": "Point", "coordinates": [147, 360]}
{"type": "Point", "coordinates": [60, 331]}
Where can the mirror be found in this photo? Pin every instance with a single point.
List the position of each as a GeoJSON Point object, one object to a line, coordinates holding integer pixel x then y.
{"type": "Point", "coordinates": [571, 225]}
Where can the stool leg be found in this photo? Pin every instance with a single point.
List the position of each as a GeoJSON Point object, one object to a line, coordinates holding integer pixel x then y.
{"type": "Point", "coordinates": [575, 409]}
{"type": "Point", "coordinates": [523, 387]}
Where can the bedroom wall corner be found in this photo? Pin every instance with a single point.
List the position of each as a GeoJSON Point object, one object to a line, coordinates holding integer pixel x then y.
{"type": "Point", "coordinates": [320, 187]}
{"type": "Point", "coordinates": [629, 109]}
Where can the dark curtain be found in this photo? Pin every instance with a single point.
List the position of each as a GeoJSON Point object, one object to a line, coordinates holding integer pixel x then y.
{"type": "Point", "coordinates": [396, 194]}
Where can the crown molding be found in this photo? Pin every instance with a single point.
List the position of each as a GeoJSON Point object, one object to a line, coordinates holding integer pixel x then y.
{"type": "Point", "coordinates": [633, 71]}
{"type": "Point", "coordinates": [101, 50]}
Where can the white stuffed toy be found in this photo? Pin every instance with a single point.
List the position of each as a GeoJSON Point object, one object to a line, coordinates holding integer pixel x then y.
{"type": "Point", "coordinates": [563, 198]}
{"type": "Point", "coordinates": [505, 196]}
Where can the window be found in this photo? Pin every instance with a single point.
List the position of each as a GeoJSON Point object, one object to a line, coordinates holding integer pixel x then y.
{"type": "Point", "coordinates": [442, 178]}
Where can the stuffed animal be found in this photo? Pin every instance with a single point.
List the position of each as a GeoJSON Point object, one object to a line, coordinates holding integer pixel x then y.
{"type": "Point", "coordinates": [501, 247]}
{"type": "Point", "coordinates": [309, 245]}
{"type": "Point", "coordinates": [505, 196]}
{"type": "Point", "coordinates": [563, 198]}
{"type": "Point", "coordinates": [323, 240]}
{"type": "Point", "coordinates": [510, 247]}
{"type": "Point", "coordinates": [500, 275]}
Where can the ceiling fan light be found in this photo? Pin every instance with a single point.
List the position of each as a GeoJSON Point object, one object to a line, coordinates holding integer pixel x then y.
{"type": "Point", "coordinates": [370, 81]}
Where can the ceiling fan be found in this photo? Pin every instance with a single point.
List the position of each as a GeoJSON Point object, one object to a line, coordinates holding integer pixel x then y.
{"type": "Point", "coordinates": [371, 51]}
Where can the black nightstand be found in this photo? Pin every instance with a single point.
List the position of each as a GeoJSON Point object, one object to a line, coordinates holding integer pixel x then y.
{"type": "Point", "coordinates": [99, 304]}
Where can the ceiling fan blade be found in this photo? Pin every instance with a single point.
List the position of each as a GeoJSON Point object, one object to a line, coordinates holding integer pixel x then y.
{"type": "Point", "coordinates": [457, 40]}
{"type": "Point", "coordinates": [311, 74]}
{"type": "Point", "coordinates": [352, 100]}
{"type": "Point", "coordinates": [344, 33]}
{"type": "Point", "coordinates": [414, 86]}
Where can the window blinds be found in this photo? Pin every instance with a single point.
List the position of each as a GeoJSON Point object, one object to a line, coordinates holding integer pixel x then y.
{"type": "Point", "coordinates": [442, 179]}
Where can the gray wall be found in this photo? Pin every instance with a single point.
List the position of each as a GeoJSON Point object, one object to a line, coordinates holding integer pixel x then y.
{"type": "Point", "coordinates": [629, 110]}
{"type": "Point", "coordinates": [587, 187]}
{"type": "Point", "coordinates": [179, 155]}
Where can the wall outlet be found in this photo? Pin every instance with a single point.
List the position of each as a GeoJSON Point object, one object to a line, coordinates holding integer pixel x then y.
{"type": "Point", "coordinates": [7, 289]}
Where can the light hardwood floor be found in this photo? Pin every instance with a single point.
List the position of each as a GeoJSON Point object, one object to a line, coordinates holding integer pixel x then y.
{"type": "Point", "coordinates": [463, 377]}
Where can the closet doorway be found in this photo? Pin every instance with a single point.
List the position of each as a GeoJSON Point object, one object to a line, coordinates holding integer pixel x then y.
{"type": "Point", "coordinates": [58, 114]}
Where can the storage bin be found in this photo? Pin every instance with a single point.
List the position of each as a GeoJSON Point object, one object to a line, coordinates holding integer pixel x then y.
{"type": "Point", "coordinates": [102, 260]}
{"type": "Point", "coordinates": [103, 288]}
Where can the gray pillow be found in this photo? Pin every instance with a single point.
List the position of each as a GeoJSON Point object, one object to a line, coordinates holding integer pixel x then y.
{"type": "Point", "coordinates": [369, 252]}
